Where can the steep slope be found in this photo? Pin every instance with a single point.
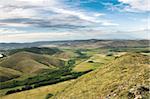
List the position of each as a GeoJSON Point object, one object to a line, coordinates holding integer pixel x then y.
{"type": "Point", "coordinates": [7, 74]}
{"type": "Point", "coordinates": [27, 62]}
{"type": "Point", "coordinates": [126, 77]}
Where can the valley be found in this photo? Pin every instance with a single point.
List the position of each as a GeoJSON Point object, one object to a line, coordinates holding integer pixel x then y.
{"type": "Point", "coordinates": [82, 69]}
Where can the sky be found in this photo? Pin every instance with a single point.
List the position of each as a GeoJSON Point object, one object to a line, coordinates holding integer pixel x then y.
{"type": "Point", "coordinates": [51, 20]}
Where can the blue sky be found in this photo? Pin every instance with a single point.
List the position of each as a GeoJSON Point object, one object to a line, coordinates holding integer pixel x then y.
{"type": "Point", "coordinates": [48, 20]}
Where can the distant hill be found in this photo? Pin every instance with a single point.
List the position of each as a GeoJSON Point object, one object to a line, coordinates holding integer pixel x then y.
{"type": "Point", "coordinates": [37, 50]}
{"type": "Point", "coordinates": [106, 43]}
{"type": "Point", "coordinates": [27, 62]}
{"type": "Point", "coordinates": [78, 43]}
{"type": "Point", "coordinates": [127, 77]}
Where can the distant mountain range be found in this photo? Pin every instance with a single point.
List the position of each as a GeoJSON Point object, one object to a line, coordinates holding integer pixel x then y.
{"type": "Point", "coordinates": [78, 43]}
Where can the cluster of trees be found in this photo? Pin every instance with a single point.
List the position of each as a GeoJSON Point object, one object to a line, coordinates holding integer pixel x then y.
{"type": "Point", "coordinates": [54, 80]}
{"type": "Point", "coordinates": [27, 87]}
{"type": "Point", "coordinates": [50, 77]}
{"type": "Point", "coordinates": [81, 54]}
{"type": "Point", "coordinates": [72, 75]}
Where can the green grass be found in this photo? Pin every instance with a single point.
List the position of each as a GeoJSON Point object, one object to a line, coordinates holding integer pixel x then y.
{"type": "Point", "coordinates": [31, 63]}
{"type": "Point", "coordinates": [113, 80]}
{"type": "Point", "coordinates": [43, 79]}
{"type": "Point", "coordinates": [110, 73]}
{"type": "Point", "coordinates": [98, 60]}
{"type": "Point", "coordinates": [39, 93]}
{"type": "Point", "coordinates": [7, 74]}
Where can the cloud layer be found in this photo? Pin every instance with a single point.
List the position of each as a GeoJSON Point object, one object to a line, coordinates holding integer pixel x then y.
{"type": "Point", "coordinates": [32, 20]}
{"type": "Point", "coordinates": [137, 5]}
{"type": "Point", "coordinates": [47, 13]}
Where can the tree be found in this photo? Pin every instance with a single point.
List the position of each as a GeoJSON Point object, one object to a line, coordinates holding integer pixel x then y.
{"type": "Point", "coordinates": [71, 62]}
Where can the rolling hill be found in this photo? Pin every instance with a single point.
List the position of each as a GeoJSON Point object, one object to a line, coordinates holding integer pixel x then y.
{"type": "Point", "coordinates": [7, 74]}
{"type": "Point", "coordinates": [37, 50]}
{"type": "Point", "coordinates": [127, 77]}
{"type": "Point", "coordinates": [27, 62]}
{"type": "Point", "coordinates": [91, 43]}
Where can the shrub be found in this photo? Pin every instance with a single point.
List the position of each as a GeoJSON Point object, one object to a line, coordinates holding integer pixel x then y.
{"type": "Point", "coordinates": [90, 61]}
{"type": "Point", "coordinates": [48, 96]}
{"type": "Point", "coordinates": [109, 54]}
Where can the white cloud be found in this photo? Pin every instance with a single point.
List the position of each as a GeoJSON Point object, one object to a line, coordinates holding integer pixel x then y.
{"type": "Point", "coordinates": [109, 24]}
{"type": "Point", "coordinates": [137, 5]}
{"type": "Point", "coordinates": [21, 9]}
{"type": "Point", "coordinates": [5, 31]}
{"type": "Point", "coordinates": [14, 24]}
{"type": "Point", "coordinates": [88, 34]}
{"type": "Point", "coordinates": [99, 14]}
{"type": "Point", "coordinates": [17, 13]}
{"type": "Point", "coordinates": [52, 11]}
{"type": "Point", "coordinates": [30, 37]}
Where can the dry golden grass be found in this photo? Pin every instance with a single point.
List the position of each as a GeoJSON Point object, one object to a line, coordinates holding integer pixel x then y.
{"type": "Point", "coordinates": [39, 93]}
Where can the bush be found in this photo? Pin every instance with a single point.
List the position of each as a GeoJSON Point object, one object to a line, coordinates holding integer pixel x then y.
{"type": "Point", "coordinates": [90, 61]}
{"type": "Point", "coordinates": [81, 54]}
{"type": "Point", "coordinates": [48, 96]}
{"type": "Point", "coordinates": [110, 54]}
{"type": "Point", "coordinates": [19, 90]}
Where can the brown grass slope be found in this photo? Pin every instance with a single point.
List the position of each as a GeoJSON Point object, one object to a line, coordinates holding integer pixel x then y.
{"type": "Point", "coordinates": [27, 62]}
{"type": "Point", "coordinates": [124, 78]}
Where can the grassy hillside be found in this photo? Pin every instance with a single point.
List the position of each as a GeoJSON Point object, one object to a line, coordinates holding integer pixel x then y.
{"type": "Point", "coordinates": [27, 62]}
{"type": "Point", "coordinates": [37, 50]}
{"type": "Point", "coordinates": [93, 62]}
{"type": "Point", "coordinates": [7, 74]}
{"type": "Point", "coordinates": [124, 78]}
{"type": "Point", "coordinates": [39, 93]}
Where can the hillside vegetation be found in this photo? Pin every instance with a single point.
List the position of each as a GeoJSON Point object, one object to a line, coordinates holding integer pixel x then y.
{"type": "Point", "coordinates": [7, 74]}
{"type": "Point", "coordinates": [127, 77]}
{"type": "Point", "coordinates": [37, 50]}
{"type": "Point", "coordinates": [93, 62]}
{"type": "Point", "coordinates": [39, 93]}
{"type": "Point", "coordinates": [82, 69]}
{"type": "Point", "coordinates": [27, 62]}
